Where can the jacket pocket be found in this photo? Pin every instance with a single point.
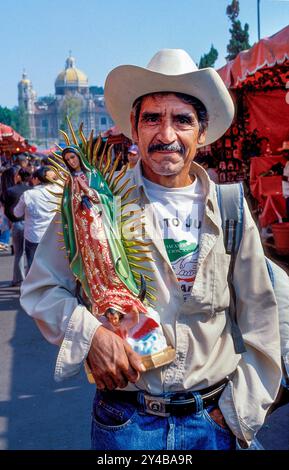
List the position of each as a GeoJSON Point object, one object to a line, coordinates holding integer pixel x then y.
{"type": "Point", "coordinates": [221, 293]}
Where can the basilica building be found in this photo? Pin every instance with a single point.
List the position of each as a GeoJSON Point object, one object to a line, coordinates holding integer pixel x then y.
{"type": "Point", "coordinates": [73, 97]}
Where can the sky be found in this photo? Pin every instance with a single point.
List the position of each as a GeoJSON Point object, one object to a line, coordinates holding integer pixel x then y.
{"type": "Point", "coordinates": [37, 35]}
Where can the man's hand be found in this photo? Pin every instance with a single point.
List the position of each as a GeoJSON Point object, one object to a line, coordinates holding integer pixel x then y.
{"type": "Point", "coordinates": [112, 361]}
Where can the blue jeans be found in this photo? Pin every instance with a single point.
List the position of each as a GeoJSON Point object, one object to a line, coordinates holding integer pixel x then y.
{"type": "Point", "coordinates": [119, 425]}
{"type": "Point", "coordinates": [30, 249]}
{"type": "Point", "coordinates": [18, 245]}
{"type": "Point", "coordinates": [5, 236]}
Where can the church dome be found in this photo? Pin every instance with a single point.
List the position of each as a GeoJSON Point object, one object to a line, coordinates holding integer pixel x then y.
{"type": "Point", "coordinates": [71, 78]}
{"type": "Point", "coordinates": [25, 80]}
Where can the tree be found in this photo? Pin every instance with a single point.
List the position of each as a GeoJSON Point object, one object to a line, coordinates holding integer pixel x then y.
{"type": "Point", "coordinates": [96, 90]}
{"type": "Point", "coordinates": [46, 99]}
{"type": "Point", "coordinates": [239, 36]}
{"type": "Point", "coordinates": [233, 10]}
{"type": "Point", "coordinates": [71, 107]}
{"type": "Point", "coordinates": [208, 60]}
{"type": "Point", "coordinates": [16, 118]}
{"type": "Point", "coordinates": [21, 123]}
{"type": "Point", "coordinates": [6, 116]}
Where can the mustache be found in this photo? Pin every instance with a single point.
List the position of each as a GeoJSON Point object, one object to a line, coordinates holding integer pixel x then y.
{"type": "Point", "coordinates": [175, 147]}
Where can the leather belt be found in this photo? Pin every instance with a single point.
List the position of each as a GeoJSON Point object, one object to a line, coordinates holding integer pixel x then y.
{"type": "Point", "coordinates": [174, 403]}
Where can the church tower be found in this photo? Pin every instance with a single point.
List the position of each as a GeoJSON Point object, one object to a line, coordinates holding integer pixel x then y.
{"type": "Point", "coordinates": [26, 94]}
{"type": "Point", "coordinates": [26, 101]}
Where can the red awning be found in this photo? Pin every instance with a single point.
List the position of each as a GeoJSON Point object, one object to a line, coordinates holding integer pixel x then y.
{"type": "Point", "coordinates": [11, 142]}
{"type": "Point", "coordinates": [268, 52]}
{"type": "Point", "coordinates": [5, 131]}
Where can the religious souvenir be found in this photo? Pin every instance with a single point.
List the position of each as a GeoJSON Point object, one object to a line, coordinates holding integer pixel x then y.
{"type": "Point", "coordinates": [108, 267]}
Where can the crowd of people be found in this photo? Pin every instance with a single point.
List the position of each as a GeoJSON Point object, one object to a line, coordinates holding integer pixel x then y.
{"type": "Point", "coordinates": [26, 209]}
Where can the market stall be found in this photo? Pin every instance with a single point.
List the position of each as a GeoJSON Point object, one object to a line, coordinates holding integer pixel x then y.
{"type": "Point", "coordinates": [259, 81]}
{"type": "Point", "coordinates": [12, 143]}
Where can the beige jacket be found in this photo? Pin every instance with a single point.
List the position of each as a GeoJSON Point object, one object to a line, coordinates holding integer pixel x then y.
{"type": "Point", "coordinates": [199, 329]}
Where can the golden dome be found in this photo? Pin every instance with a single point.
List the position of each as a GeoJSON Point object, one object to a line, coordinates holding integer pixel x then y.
{"type": "Point", "coordinates": [71, 77]}
{"type": "Point", "coordinates": [24, 80]}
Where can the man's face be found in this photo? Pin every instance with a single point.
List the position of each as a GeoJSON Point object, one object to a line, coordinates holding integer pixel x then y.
{"type": "Point", "coordinates": [132, 158]}
{"type": "Point", "coordinates": [35, 181]}
{"type": "Point", "coordinates": [167, 134]}
{"type": "Point", "coordinates": [73, 161]}
{"type": "Point", "coordinates": [23, 163]}
{"type": "Point", "coordinates": [51, 175]}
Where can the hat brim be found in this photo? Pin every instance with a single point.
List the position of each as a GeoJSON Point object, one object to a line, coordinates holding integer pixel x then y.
{"type": "Point", "coordinates": [126, 83]}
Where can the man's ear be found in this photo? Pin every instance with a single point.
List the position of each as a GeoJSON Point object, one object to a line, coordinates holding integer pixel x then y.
{"type": "Point", "coordinates": [133, 129]}
{"type": "Point", "coordinates": [202, 138]}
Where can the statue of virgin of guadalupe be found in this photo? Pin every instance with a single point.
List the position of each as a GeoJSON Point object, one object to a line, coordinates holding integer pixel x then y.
{"type": "Point", "coordinates": [97, 256]}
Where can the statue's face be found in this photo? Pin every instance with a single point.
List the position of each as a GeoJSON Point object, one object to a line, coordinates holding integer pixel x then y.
{"type": "Point", "coordinates": [72, 161]}
{"type": "Point", "coordinates": [113, 318]}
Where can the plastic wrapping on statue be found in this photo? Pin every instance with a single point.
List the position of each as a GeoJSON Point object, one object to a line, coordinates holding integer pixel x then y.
{"type": "Point", "coordinates": [144, 334]}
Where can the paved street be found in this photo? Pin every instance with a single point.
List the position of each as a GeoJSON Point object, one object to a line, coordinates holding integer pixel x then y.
{"type": "Point", "coordinates": [38, 413]}
{"type": "Point", "coordinates": [35, 411]}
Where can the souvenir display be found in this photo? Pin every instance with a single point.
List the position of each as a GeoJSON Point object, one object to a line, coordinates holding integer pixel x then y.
{"type": "Point", "coordinates": [222, 177]}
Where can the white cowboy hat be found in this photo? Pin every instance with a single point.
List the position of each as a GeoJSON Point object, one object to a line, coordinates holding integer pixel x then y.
{"type": "Point", "coordinates": [169, 70]}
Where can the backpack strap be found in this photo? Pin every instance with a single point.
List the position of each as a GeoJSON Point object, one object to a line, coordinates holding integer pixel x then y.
{"type": "Point", "coordinates": [270, 271]}
{"type": "Point", "coordinates": [231, 203]}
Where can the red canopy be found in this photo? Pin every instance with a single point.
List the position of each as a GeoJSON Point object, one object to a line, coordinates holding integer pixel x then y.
{"type": "Point", "coordinates": [5, 131]}
{"type": "Point", "coordinates": [268, 52]}
{"type": "Point", "coordinates": [261, 75]}
{"type": "Point", "coordinates": [11, 142]}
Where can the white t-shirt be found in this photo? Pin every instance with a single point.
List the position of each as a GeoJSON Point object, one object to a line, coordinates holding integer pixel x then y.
{"type": "Point", "coordinates": [285, 184]}
{"type": "Point", "coordinates": [180, 213]}
{"type": "Point", "coordinates": [37, 206]}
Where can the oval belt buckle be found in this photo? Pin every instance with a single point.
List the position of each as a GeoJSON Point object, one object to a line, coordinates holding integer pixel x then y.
{"type": "Point", "coordinates": [156, 405]}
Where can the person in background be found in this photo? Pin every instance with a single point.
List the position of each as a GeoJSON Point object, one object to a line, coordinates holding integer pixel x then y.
{"type": "Point", "coordinates": [207, 163]}
{"type": "Point", "coordinates": [132, 155]}
{"type": "Point", "coordinates": [44, 161]}
{"type": "Point", "coordinates": [4, 230]}
{"type": "Point", "coordinates": [7, 181]}
{"type": "Point", "coordinates": [36, 205]}
{"type": "Point", "coordinates": [285, 177]}
{"type": "Point", "coordinates": [21, 179]}
{"type": "Point", "coordinates": [23, 160]}
{"type": "Point", "coordinates": [34, 180]}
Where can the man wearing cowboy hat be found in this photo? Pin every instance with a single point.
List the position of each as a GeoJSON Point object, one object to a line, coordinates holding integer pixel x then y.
{"type": "Point", "coordinates": [209, 395]}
